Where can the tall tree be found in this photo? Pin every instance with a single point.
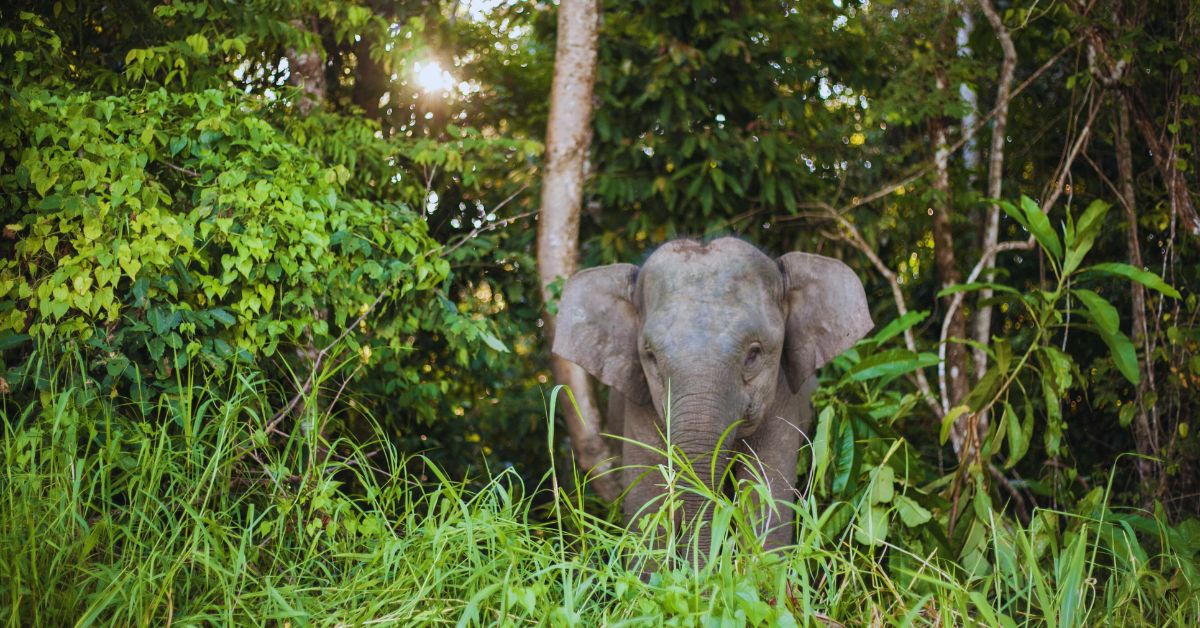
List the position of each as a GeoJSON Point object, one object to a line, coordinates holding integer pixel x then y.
{"type": "Point", "coordinates": [568, 135]}
{"type": "Point", "coordinates": [952, 372]}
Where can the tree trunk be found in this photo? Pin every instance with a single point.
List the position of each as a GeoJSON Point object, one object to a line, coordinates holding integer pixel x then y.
{"type": "Point", "coordinates": [567, 139]}
{"type": "Point", "coordinates": [952, 371]}
{"type": "Point", "coordinates": [991, 227]}
{"type": "Point", "coordinates": [962, 42]}
{"type": "Point", "coordinates": [1164, 158]}
{"type": "Point", "coordinates": [1111, 71]}
{"type": "Point", "coordinates": [1145, 433]}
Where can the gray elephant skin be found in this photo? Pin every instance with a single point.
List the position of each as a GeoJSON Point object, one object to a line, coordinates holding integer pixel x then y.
{"type": "Point", "coordinates": [735, 336]}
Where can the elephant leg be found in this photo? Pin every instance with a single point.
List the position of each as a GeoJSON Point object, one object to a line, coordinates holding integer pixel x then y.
{"type": "Point", "coordinates": [771, 453]}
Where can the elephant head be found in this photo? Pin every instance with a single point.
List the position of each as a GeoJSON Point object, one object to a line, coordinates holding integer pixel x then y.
{"type": "Point", "coordinates": [726, 329]}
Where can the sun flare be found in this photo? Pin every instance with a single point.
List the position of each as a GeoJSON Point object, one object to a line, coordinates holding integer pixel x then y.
{"type": "Point", "coordinates": [431, 78]}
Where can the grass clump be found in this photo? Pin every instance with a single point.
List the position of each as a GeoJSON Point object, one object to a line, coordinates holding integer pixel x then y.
{"type": "Point", "coordinates": [197, 512]}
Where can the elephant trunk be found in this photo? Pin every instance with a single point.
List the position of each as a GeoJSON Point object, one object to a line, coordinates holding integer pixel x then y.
{"type": "Point", "coordinates": [698, 421]}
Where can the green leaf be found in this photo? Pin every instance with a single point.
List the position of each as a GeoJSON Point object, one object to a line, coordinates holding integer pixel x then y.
{"type": "Point", "coordinates": [1003, 352]}
{"type": "Point", "coordinates": [872, 528]}
{"type": "Point", "coordinates": [493, 342]}
{"type": "Point", "coordinates": [891, 363]}
{"type": "Point", "coordinates": [222, 316]}
{"type": "Point", "coordinates": [820, 446]}
{"type": "Point", "coordinates": [948, 420]}
{"type": "Point", "coordinates": [1146, 278]}
{"type": "Point", "coordinates": [898, 326]}
{"type": "Point", "coordinates": [1125, 416]}
{"type": "Point", "coordinates": [1102, 312]}
{"type": "Point", "coordinates": [985, 608]}
{"type": "Point", "coordinates": [12, 340]}
{"type": "Point", "coordinates": [911, 513]}
{"type": "Point", "coordinates": [1052, 438]}
{"type": "Point", "coordinates": [1060, 366]}
{"type": "Point", "coordinates": [844, 458]}
{"type": "Point", "coordinates": [116, 366]}
{"type": "Point", "coordinates": [198, 43]}
{"type": "Point", "coordinates": [976, 285]}
{"type": "Point", "coordinates": [1070, 573]}
{"type": "Point", "coordinates": [1039, 226]}
{"type": "Point", "coordinates": [92, 229]}
{"type": "Point", "coordinates": [1085, 234]}
{"type": "Point", "coordinates": [981, 503]}
{"type": "Point", "coordinates": [1125, 356]}
{"type": "Point", "coordinates": [1104, 315]}
{"type": "Point", "coordinates": [883, 480]}
{"type": "Point", "coordinates": [985, 390]}
{"type": "Point", "coordinates": [1014, 213]}
{"type": "Point", "coordinates": [43, 182]}
{"type": "Point", "coordinates": [156, 347]}
{"type": "Point", "coordinates": [1019, 434]}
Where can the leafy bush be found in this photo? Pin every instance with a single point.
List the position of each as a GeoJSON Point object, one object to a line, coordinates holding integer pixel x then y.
{"type": "Point", "coordinates": [152, 227]}
{"type": "Point", "coordinates": [865, 469]}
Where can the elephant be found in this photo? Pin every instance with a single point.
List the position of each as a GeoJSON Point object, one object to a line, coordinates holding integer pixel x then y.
{"type": "Point", "coordinates": [735, 337]}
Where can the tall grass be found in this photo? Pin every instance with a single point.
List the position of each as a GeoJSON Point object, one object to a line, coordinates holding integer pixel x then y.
{"type": "Point", "coordinates": [194, 512]}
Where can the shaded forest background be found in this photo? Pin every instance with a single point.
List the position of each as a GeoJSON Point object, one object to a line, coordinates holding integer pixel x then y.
{"type": "Point", "coordinates": [339, 198]}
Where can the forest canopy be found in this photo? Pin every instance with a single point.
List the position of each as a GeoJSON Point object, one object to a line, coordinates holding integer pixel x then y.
{"type": "Point", "coordinates": [276, 263]}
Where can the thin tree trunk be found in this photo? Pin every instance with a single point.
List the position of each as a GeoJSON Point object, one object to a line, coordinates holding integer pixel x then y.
{"type": "Point", "coordinates": [1111, 72]}
{"type": "Point", "coordinates": [970, 149]}
{"type": "Point", "coordinates": [567, 140]}
{"type": "Point", "coordinates": [1164, 158]}
{"type": "Point", "coordinates": [1144, 433]}
{"type": "Point", "coordinates": [953, 381]}
{"type": "Point", "coordinates": [991, 227]}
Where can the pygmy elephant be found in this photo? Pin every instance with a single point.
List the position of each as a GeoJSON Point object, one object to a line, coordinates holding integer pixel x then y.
{"type": "Point", "coordinates": [734, 336]}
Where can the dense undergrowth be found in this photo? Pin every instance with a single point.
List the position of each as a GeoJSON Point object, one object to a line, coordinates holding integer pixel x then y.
{"type": "Point", "coordinates": [198, 512]}
{"type": "Point", "coordinates": [194, 242]}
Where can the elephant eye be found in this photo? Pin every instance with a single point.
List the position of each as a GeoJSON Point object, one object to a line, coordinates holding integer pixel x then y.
{"type": "Point", "coordinates": [753, 355]}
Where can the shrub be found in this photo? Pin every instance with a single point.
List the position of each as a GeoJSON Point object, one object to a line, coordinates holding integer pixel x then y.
{"type": "Point", "coordinates": [150, 226]}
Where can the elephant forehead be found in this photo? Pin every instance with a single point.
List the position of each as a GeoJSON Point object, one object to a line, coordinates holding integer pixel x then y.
{"type": "Point", "coordinates": [707, 295]}
{"type": "Point", "coordinates": [723, 272]}
{"type": "Point", "coordinates": [680, 326]}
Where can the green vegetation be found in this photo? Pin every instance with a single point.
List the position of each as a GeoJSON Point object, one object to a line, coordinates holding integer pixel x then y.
{"type": "Point", "coordinates": [271, 337]}
{"type": "Point", "coordinates": [184, 515]}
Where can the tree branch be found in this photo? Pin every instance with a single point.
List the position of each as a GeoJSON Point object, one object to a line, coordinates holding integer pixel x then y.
{"type": "Point", "coordinates": [991, 230]}
{"type": "Point", "coordinates": [855, 239]}
{"type": "Point", "coordinates": [307, 386]}
{"type": "Point", "coordinates": [852, 236]}
{"type": "Point", "coordinates": [923, 169]}
{"type": "Point", "coordinates": [1110, 72]}
{"type": "Point", "coordinates": [499, 224]}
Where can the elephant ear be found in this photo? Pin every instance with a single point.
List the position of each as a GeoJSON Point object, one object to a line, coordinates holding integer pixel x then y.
{"type": "Point", "coordinates": [597, 328]}
{"type": "Point", "coordinates": [826, 313]}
